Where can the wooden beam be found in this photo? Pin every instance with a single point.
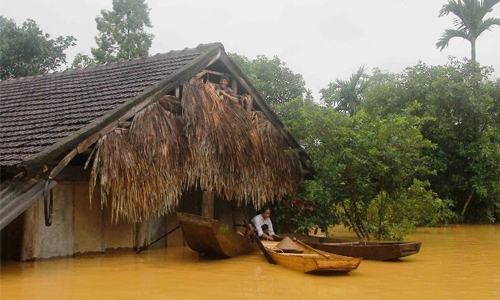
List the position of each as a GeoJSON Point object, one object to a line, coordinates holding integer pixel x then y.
{"type": "Point", "coordinates": [208, 205]}
{"type": "Point", "coordinates": [29, 249]}
{"type": "Point", "coordinates": [234, 86]}
{"type": "Point", "coordinates": [124, 124]}
{"type": "Point", "coordinates": [80, 148]}
{"type": "Point", "coordinates": [199, 75]}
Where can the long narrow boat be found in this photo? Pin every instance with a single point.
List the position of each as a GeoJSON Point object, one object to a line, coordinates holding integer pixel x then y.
{"type": "Point", "coordinates": [210, 237]}
{"type": "Point", "coordinates": [309, 260]}
{"type": "Point", "coordinates": [368, 250]}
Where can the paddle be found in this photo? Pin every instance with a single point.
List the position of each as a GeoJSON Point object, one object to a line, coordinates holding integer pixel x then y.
{"type": "Point", "coordinates": [311, 248]}
{"type": "Point", "coordinates": [146, 247]}
{"type": "Point", "coordinates": [256, 239]}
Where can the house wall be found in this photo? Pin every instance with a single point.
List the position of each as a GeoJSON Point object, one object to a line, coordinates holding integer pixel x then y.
{"type": "Point", "coordinates": [174, 239]}
{"type": "Point", "coordinates": [57, 239]}
{"type": "Point", "coordinates": [148, 232]}
{"type": "Point", "coordinates": [119, 235]}
{"type": "Point", "coordinates": [79, 227]}
{"type": "Point", "coordinates": [88, 223]}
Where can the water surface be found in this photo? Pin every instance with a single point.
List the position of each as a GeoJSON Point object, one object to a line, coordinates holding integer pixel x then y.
{"type": "Point", "coordinates": [458, 262]}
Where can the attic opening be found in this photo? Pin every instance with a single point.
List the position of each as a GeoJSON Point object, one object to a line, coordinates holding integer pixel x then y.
{"type": "Point", "coordinates": [213, 77]}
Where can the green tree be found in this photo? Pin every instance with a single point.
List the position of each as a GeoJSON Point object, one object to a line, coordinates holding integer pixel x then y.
{"type": "Point", "coordinates": [368, 170]}
{"type": "Point", "coordinates": [122, 32]}
{"type": "Point", "coordinates": [272, 78]}
{"type": "Point", "coordinates": [25, 50]}
{"type": "Point", "coordinates": [469, 23]}
{"type": "Point", "coordinates": [459, 106]}
{"type": "Point", "coordinates": [82, 60]}
{"type": "Point", "coordinates": [346, 95]}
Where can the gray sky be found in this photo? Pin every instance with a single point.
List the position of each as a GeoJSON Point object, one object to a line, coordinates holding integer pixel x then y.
{"type": "Point", "coordinates": [320, 39]}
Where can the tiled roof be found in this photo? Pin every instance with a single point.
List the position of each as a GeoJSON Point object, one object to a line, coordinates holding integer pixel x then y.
{"type": "Point", "coordinates": [37, 111]}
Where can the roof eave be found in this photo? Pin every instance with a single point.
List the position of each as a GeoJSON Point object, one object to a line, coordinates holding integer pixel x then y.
{"type": "Point", "coordinates": [110, 120]}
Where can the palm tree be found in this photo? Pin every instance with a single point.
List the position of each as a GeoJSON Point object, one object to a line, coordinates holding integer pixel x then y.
{"type": "Point", "coordinates": [468, 22]}
{"type": "Point", "coordinates": [346, 95]}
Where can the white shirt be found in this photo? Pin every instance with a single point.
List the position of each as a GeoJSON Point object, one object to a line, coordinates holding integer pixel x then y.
{"type": "Point", "coordinates": [259, 220]}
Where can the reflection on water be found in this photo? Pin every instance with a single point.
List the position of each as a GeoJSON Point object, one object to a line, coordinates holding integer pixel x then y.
{"type": "Point", "coordinates": [459, 262]}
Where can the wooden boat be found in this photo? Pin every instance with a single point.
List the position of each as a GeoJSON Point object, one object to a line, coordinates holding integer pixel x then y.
{"type": "Point", "coordinates": [368, 250]}
{"type": "Point", "coordinates": [210, 237]}
{"type": "Point", "coordinates": [310, 260]}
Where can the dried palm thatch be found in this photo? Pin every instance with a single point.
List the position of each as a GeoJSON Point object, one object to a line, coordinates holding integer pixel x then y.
{"type": "Point", "coordinates": [224, 141]}
{"type": "Point", "coordinates": [202, 141]}
{"type": "Point", "coordinates": [143, 169]}
{"type": "Point", "coordinates": [280, 171]}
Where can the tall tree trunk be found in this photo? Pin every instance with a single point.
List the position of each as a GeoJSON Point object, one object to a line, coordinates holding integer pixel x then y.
{"type": "Point", "coordinates": [467, 203]}
{"type": "Point", "coordinates": [473, 49]}
{"type": "Point", "coordinates": [359, 222]}
{"type": "Point", "coordinates": [353, 224]}
{"type": "Point", "coordinates": [381, 212]}
{"type": "Point", "coordinates": [128, 35]}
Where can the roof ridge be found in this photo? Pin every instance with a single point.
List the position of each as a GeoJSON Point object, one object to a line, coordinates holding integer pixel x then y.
{"type": "Point", "coordinates": [172, 53]}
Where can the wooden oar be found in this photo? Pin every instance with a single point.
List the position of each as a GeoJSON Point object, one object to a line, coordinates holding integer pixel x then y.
{"type": "Point", "coordinates": [312, 249]}
{"type": "Point", "coordinates": [146, 247]}
{"type": "Point", "coordinates": [256, 239]}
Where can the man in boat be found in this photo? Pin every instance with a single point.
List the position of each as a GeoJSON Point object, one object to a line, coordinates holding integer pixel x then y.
{"type": "Point", "coordinates": [225, 90]}
{"type": "Point", "coordinates": [262, 223]}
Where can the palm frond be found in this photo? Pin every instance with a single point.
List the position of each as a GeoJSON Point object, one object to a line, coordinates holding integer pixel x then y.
{"type": "Point", "coordinates": [448, 34]}
{"type": "Point", "coordinates": [202, 141]}
{"type": "Point", "coordinates": [488, 24]}
{"type": "Point", "coordinates": [488, 5]}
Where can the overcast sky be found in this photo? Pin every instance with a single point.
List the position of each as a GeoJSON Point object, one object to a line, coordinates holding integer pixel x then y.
{"type": "Point", "coordinates": [320, 39]}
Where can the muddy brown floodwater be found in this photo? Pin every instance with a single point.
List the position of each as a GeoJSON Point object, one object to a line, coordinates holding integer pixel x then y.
{"type": "Point", "coordinates": [457, 262]}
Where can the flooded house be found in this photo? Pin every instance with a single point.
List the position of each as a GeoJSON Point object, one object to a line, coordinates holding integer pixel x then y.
{"type": "Point", "coordinates": [100, 158]}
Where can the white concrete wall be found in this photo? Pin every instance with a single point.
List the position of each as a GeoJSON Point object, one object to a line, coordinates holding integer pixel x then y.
{"type": "Point", "coordinates": [87, 220]}
{"type": "Point", "coordinates": [79, 227]}
{"type": "Point", "coordinates": [57, 239]}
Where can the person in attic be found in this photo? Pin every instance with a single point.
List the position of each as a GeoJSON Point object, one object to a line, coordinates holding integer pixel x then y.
{"type": "Point", "coordinates": [225, 90]}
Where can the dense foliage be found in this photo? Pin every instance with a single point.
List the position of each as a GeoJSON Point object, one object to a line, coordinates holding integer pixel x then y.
{"type": "Point", "coordinates": [26, 51]}
{"type": "Point", "coordinates": [370, 169]}
{"type": "Point", "coordinates": [420, 148]}
{"type": "Point", "coordinates": [273, 79]}
{"type": "Point", "coordinates": [346, 95]}
{"type": "Point", "coordinates": [82, 60]}
{"type": "Point", "coordinates": [460, 106]}
{"type": "Point", "coordinates": [122, 32]}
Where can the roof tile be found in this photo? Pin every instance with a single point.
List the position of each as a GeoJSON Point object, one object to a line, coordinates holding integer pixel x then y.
{"type": "Point", "coordinates": [37, 111]}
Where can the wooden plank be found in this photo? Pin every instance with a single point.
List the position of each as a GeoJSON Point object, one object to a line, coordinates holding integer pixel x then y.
{"type": "Point", "coordinates": [312, 249]}
{"type": "Point", "coordinates": [199, 75]}
{"type": "Point", "coordinates": [207, 205]}
{"type": "Point", "coordinates": [234, 86]}
{"type": "Point", "coordinates": [30, 233]}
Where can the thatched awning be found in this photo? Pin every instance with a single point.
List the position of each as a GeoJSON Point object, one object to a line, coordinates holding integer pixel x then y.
{"type": "Point", "coordinates": [198, 141]}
